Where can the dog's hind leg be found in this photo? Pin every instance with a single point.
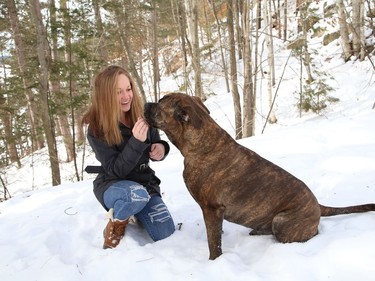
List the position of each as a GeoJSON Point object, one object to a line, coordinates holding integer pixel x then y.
{"type": "Point", "coordinates": [265, 231]}
{"type": "Point", "coordinates": [296, 225]}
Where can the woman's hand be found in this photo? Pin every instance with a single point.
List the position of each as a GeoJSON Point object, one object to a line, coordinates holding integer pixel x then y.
{"type": "Point", "coordinates": [140, 130]}
{"type": "Point", "coordinates": [157, 151]}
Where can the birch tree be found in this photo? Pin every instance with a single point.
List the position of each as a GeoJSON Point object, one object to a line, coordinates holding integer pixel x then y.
{"type": "Point", "coordinates": [358, 29]}
{"type": "Point", "coordinates": [344, 30]}
{"type": "Point", "coordinates": [270, 57]}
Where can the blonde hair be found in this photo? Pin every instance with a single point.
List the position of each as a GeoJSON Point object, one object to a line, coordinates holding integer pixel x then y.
{"type": "Point", "coordinates": [104, 113]}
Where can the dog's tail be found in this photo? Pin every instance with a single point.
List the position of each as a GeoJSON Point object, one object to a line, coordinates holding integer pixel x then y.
{"type": "Point", "coordinates": [333, 211]}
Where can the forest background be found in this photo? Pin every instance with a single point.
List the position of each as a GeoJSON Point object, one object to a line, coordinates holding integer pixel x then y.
{"type": "Point", "coordinates": [50, 51]}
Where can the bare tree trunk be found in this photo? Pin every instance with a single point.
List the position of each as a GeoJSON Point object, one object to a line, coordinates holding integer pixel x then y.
{"type": "Point", "coordinates": [207, 29]}
{"type": "Point", "coordinates": [305, 50]}
{"type": "Point", "coordinates": [285, 27]}
{"type": "Point", "coordinates": [100, 30]}
{"type": "Point", "coordinates": [256, 52]}
{"type": "Point", "coordinates": [362, 37]}
{"type": "Point", "coordinates": [356, 22]}
{"type": "Point", "coordinates": [43, 55]}
{"type": "Point", "coordinates": [155, 57]}
{"type": "Point", "coordinates": [275, 16]}
{"type": "Point", "coordinates": [221, 38]}
{"type": "Point", "coordinates": [249, 101]}
{"type": "Point", "coordinates": [233, 71]}
{"type": "Point", "coordinates": [10, 141]}
{"type": "Point", "coordinates": [192, 12]}
{"type": "Point", "coordinates": [270, 57]}
{"type": "Point", "coordinates": [358, 28]}
{"type": "Point", "coordinates": [183, 37]}
{"type": "Point", "coordinates": [237, 10]}
{"type": "Point", "coordinates": [344, 30]}
{"type": "Point", "coordinates": [21, 52]}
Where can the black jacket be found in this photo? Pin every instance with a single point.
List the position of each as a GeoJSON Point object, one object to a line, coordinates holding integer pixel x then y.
{"type": "Point", "coordinates": [123, 161]}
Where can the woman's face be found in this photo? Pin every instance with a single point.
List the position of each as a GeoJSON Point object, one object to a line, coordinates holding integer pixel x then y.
{"type": "Point", "coordinates": [124, 92]}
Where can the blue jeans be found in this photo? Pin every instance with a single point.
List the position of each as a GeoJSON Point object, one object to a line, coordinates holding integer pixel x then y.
{"type": "Point", "coordinates": [129, 198]}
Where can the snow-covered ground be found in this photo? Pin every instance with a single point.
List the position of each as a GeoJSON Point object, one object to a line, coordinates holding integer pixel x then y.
{"type": "Point", "coordinates": [56, 232]}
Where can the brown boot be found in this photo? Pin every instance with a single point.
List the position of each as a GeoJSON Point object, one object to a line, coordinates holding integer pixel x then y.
{"type": "Point", "coordinates": [113, 233]}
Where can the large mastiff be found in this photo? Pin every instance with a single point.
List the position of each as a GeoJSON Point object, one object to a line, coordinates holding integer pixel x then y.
{"type": "Point", "coordinates": [231, 182]}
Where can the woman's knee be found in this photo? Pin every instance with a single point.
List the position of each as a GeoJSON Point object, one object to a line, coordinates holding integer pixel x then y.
{"type": "Point", "coordinates": [167, 230]}
{"type": "Point", "coordinates": [157, 219]}
{"type": "Point", "coordinates": [138, 193]}
{"type": "Point", "coordinates": [126, 198]}
{"type": "Point", "coordinates": [125, 190]}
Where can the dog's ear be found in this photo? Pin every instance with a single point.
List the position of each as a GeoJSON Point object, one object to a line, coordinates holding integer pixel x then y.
{"type": "Point", "coordinates": [194, 112]}
{"type": "Point", "coordinates": [181, 114]}
{"type": "Point", "coordinates": [189, 114]}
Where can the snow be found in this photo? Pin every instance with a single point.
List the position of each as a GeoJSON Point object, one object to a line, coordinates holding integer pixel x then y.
{"type": "Point", "coordinates": [55, 233]}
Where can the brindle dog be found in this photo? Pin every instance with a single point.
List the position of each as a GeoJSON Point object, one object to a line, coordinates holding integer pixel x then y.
{"type": "Point", "coordinates": [231, 182]}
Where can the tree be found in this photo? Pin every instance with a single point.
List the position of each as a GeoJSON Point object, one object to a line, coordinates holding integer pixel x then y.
{"type": "Point", "coordinates": [6, 118]}
{"type": "Point", "coordinates": [23, 69]}
{"type": "Point", "coordinates": [52, 61]}
{"type": "Point", "coordinates": [120, 13]}
{"type": "Point", "coordinates": [43, 58]}
{"type": "Point", "coordinates": [249, 93]}
{"type": "Point", "coordinates": [314, 92]}
{"type": "Point", "coordinates": [56, 62]}
{"type": "Point", "coordinates": [304, 20]}
{"type": "Point", "coordinates": [358, 29]}
{"type": "Point", "coordinates": [221, 39]}
{"type": "Point", "coordinates": [233, 70]}
{"type": "Point", "coordinates": [192, 15]}
{"type": "Point", "coordinates": [270, 57]}
{"type": "Point", "coordinates": [103, 53]}
{"type": "Point", "coordinates": [344, 30]}
{"type": "Point", "coordinates": [182, 23]}
{"type": "Point", "coordinates": [155, 51]}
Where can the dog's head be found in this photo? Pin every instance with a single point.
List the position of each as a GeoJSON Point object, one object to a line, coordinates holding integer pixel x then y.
{"type": "Point", "coordinates": [176, 112]}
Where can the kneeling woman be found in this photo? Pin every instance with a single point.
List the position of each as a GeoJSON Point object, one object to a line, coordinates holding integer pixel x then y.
{"type": "Point", "coordinates": [123, 143]}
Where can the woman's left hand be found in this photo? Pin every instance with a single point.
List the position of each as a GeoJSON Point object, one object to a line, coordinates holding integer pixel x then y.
{"type": "Point", "coordinates": [157, 151]}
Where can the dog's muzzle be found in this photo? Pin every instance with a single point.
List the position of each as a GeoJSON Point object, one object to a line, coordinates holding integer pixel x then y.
{"type": "Point", "coordinates": [149, 109]}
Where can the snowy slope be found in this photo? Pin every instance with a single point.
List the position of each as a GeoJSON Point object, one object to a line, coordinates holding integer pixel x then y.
{"type": "Point", "coordinates": [56, 232]}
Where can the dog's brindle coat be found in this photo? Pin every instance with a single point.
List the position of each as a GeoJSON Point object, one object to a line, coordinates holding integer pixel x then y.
{"type": "Point", "coordinates": [232, 182]}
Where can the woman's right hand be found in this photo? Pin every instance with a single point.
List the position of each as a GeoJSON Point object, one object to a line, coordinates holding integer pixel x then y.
{"type": "Point", "coordinates": [140, 130]}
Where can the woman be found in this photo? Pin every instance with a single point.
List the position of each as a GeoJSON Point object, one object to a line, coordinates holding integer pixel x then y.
{"type": "Point", "coordinates": [123, 143]}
